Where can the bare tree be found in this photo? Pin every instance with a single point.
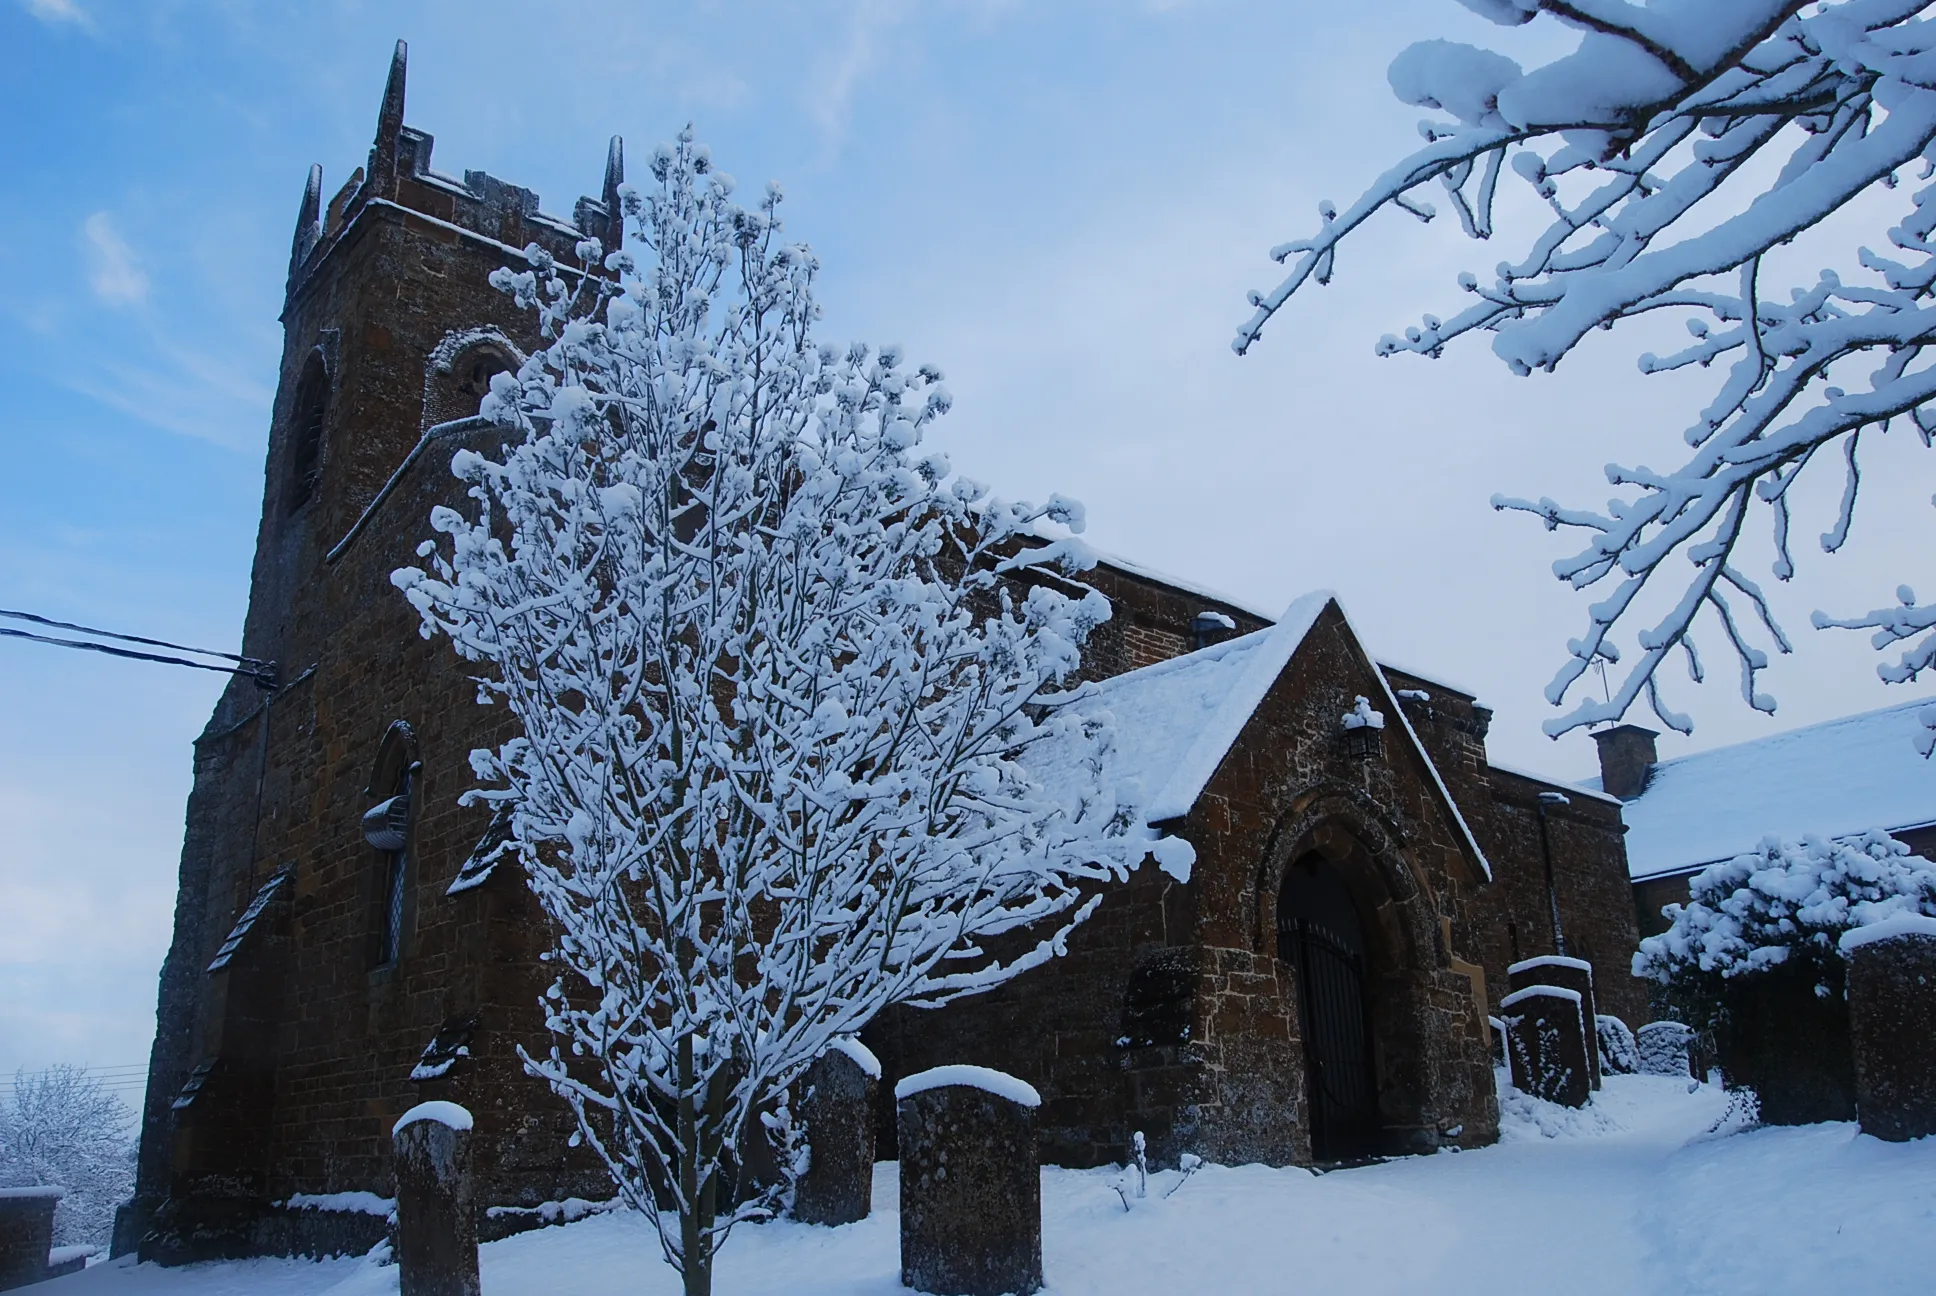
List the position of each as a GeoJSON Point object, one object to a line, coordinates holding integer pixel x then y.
{"type": "Point", "coordinates": [63, 1127]}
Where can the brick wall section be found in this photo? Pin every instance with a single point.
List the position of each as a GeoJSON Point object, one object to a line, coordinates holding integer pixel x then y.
{"type": "Point", "coordinates": [1150, 621]}
{"type": "Point", "coordinates": [1512, 919]}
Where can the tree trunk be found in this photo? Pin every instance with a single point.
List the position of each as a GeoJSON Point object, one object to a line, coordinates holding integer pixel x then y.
{"type": "Point", "coordinates": [697, 1201]}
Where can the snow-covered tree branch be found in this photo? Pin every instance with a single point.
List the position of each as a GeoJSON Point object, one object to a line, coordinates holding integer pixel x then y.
{"type": "Point", "coordinates": [778, 674]}
{"type": "Point", "coordinates": [1679, 145]}
{"type": "Point", "coordinates": [62, 1127]}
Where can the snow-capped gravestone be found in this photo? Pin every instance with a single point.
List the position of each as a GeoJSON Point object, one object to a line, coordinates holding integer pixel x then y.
{"type": "Point", "coordinates": [436, 1201]}
{"type": "Point", "coordinates": [1662, 1048]}
{"type": "Point", "coordinates": [1892, 1024]}
{"type": "Point", "coordinates": [971, 1187]}
{"type": "Point", "coordinates": [1571, 974]}
{"type": "Point", "coordinates": [26, 1234]}
{"type": "Point", "coordinates": [1618, 1054]}
{"type": "Point", "coordinates": [837, 1108]}
{"type": "Point", "coordinates": [1547, 1043]}
{"type": "Point", "coordinates": [1785, 1035]}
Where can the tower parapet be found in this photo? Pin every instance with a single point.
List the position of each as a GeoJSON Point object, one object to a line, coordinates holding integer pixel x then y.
{"type": "Point", "coordinates": [398, 177]}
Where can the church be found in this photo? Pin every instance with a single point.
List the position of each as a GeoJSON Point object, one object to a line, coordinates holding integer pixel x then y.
{"type": "Point", "coordinates": [349, 942]}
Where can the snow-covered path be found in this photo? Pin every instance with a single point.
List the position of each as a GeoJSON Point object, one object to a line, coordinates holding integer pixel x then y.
{"type": "Point", "coordinates": [1628, 1196]}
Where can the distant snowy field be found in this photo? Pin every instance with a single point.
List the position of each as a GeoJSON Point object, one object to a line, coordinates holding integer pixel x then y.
{"type": "Point", "coordinates": [1630, 1195]}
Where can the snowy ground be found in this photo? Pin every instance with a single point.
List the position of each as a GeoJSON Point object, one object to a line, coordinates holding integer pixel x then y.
{"type": "Point", "coordinates": [1631, 1195]}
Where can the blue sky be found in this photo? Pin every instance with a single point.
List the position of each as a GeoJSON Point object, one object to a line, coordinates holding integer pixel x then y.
{"type": "Point", "coordinates": [1061, 204]}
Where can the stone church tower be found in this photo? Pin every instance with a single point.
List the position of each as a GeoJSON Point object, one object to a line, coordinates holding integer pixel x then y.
{"type": "Point", "coordinates": [301, 941]}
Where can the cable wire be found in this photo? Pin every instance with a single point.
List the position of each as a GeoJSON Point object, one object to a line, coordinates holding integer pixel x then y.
{"type": "Point", "coordinates": [263, 673]}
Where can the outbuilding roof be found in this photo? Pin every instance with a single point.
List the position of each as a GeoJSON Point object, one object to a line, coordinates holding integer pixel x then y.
{"type": "Point", "coordinates": [1829, 780]}
{"type": "Point", "coordinates": [1176, 720]}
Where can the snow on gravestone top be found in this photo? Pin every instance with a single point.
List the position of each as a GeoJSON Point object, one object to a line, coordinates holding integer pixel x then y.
{"type": "Point", "coordinates": [999, 1083]}
{"type": "Point", "coordinates": [40, 1190]}
{"type": "Point", "coordinates": [1553, 992]}
{"type": "Point", "coordinates": [1550, 960]}
{"type": "Point", "coordinates": [341, 1203]}
{"type": "Point", "coordinates": [444, 1113]}
{"type": "Point", "coordinates": [859, 1054]}
{"type": "Point", "coordinates": [1887, 929]}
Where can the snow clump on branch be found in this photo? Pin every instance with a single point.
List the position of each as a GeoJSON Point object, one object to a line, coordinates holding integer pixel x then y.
{"type": "Point", "coordinates": [1629, 141]}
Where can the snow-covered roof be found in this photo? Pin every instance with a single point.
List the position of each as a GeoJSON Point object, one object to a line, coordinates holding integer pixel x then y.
{"type": "Point", "coordinates": [1135, 568]}
{"type": "Point", "coordinates": [1830, 779]}
{"type": "Point", "coordinates": [1177, 719]}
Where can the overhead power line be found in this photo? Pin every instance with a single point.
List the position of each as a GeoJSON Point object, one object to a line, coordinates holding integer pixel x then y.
{"type": "Point", "coordinates": [262, 672]}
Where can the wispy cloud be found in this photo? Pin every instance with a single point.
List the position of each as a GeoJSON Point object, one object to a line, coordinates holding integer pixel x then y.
{"type": "Point", "coordinates": [58, 11]}
{"type": "Point", "coordinates": [113, 271]}
{"type": "Point", "coordinates": [831, 96]}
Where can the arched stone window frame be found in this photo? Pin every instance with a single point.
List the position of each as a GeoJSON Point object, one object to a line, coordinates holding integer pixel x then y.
{"type": "Point", "coordinates": [388, 828]}
{"type": "Point", "coordinates": [309, 411]}
{"type": "Point", "coordinates": [457, 375]}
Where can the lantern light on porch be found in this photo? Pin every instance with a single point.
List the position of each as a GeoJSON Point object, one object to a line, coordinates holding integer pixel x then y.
{"type": "Point", "coordinates": [1363, 730]}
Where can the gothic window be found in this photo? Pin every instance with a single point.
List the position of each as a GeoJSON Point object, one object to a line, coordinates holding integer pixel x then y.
{"type": "Point", "coordinates": [386, 827]}
{"type": "Point", "coordinates": [307, 417]}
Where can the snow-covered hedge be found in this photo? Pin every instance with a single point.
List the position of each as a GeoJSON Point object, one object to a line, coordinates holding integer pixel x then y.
{"type": "Point", "coordinates": [1786, 899]}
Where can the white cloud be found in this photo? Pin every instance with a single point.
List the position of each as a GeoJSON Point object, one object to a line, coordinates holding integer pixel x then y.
{"type": "Point", "coordinates": [58, 11]}
{"type": "Point", "coordinates": [112, 269]}
{"type": "Point", "coordinates": [832, 95]}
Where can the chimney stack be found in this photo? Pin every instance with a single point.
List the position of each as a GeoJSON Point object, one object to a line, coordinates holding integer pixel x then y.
{"type": "Point", "coordinates": [1626, 759]}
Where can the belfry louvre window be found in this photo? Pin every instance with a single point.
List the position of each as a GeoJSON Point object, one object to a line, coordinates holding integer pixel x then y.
{"type": "Point", "coordinates": [307, 417]}
{"type": "Point", "coordinates": [386, 827]}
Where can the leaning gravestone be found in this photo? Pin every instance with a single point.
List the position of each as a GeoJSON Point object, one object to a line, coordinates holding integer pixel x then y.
{"type": "Point", "coordinates": [971, 1187]}
{"type": "Point", "coordinates": [1571, 974]}
{"type": "Point", "coordinates": [436, 1201]}
{"type": "Point", "coordinates": [26, 1234]}
{"type": "Point", "coordinates": [838, 1111]}
{"type": "Point", "coordinates": [1547, 1043]}
{"type": "Point", "coordinates": [1662, 1048]}
{"type": "Point", "coordinates": [1892, 1025]}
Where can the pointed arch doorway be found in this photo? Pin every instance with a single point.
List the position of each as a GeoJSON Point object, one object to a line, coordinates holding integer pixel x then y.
{"type": "Point", "coordinates": [1319, 934]}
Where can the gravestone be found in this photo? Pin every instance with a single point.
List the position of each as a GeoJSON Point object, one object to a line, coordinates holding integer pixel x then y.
{"type": "Point", "coordinates": [1892, 1025]}
{"type": "Point", "coordinates": [1548, 1044]}
{"type": "Point", "coordinates": [1662, 1048]}
{"type": "Point", "coordinates": [971, 1186]}
{"type": "Point", "coordinates": [837, 1108]}
{"type": "Point", "coordinates": [1784, 1033]}
{"type": "Point", "coordinates": [26, 1234]}
{"type": "Point", "coordinates": [1572, 974]}
{"type": "Point", "coordinates": [436, 1202]}
{"type": "Point", "coordinates": [1618, 1053]}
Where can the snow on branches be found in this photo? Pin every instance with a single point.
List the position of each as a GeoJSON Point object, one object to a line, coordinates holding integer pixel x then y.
{"type": "Point", "coordinates": [1786, 900]}
{"type": "Point", "coordinates": [1629, 140]}
{"type": "Point", "coordinates": [63, 1127]}
{"type": "Point", "coordinates": [777, 672]}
